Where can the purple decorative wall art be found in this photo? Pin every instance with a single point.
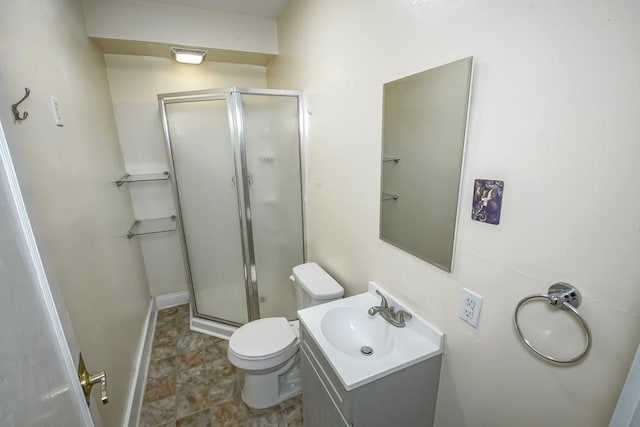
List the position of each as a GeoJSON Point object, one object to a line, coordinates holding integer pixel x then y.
{"type": "Point", "coordinates": [487, 201]}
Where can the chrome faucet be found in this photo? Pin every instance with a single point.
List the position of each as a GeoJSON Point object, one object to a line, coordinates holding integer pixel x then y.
{"type": "Point", "coordinates": [396, 318]}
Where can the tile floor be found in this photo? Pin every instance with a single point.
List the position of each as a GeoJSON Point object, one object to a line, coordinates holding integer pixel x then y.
{"type": "Point", "coordinates": [190, 382]}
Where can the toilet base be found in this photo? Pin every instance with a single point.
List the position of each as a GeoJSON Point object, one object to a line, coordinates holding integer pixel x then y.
{"type": "Point", "coordinates": [266, 390]}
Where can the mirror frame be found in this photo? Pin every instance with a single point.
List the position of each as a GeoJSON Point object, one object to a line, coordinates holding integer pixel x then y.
{"type": "Point", "coordinates": [392, 198]}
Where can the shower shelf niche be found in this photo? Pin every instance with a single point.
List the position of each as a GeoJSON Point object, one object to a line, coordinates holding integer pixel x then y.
{"type": "Point", "coordinates": [161, 176]}
{"type": "Point", "coordinates": [152, 226]}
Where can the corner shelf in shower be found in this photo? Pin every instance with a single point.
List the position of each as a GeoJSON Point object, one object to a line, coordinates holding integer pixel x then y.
{"type": "Point", "coordinates": [162, 176]}
{"type": "Point", "coordinates": [152, 226]}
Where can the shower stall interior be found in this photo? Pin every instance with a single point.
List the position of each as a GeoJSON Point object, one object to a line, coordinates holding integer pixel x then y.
{"type": "Point", "coordinates": [236, 170]}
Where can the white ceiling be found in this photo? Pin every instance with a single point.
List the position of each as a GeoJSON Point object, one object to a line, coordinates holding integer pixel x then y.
{"type": "Point", "coordinates": [262, 8]}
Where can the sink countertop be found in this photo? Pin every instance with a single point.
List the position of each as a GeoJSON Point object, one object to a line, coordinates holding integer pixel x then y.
{"type": "Point", "coordinates": [416, 342]}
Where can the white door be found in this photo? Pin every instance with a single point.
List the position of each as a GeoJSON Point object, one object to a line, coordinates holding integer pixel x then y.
{"type": "Point", "coordinates": [627, 412]}
{"type": "Point", "coordinates": [38, 380]}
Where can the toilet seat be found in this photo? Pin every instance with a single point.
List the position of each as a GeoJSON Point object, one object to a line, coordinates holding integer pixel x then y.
{"type": "Point", "coordinates": [263, 343]}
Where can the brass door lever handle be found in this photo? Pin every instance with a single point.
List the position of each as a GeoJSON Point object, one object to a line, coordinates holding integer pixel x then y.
{"type": "Point", "coordinates": [87, 381]}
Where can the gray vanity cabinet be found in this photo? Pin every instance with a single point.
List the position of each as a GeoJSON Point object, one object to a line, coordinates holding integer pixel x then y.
{"type": "Point", "coordinates": [403, 398]}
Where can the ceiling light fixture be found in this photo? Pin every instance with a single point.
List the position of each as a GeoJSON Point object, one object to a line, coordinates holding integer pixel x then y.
{"type": "Point", "coordinates": [188, 56]}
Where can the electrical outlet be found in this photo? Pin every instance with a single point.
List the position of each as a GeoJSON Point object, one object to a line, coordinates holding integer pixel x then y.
{"type": "Point", "coordinates": [470, 307]}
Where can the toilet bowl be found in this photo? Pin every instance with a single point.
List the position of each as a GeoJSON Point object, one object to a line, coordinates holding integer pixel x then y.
{"type": "Point", "coordinates": [266, 350]}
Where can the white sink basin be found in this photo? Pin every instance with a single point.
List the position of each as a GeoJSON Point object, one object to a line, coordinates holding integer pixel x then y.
{"type": "Point", "coordinates": [354, 332]}
{"type": "Point", "coordinates": [342, 328]}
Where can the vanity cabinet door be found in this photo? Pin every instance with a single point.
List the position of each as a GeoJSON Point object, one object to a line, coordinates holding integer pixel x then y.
{"type": "Point", "coordinates": [319, 408]}
{"type": "Point", "coordinates": [405, 398]}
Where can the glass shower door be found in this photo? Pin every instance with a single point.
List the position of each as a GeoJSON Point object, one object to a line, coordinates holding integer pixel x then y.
{"type": "Point", "coordinates": [205, 177]}
{"type": "Point", "coordinates": [270, 126]}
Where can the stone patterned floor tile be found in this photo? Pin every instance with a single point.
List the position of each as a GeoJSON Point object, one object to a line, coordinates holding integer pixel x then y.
{"type": "Point", "coordinates": [214, 352]}
{"type": "Point", "coordinates": [167, 312]}
{"type": "Point", "coordinates": [199, 419]}
{"type": "Point", "coordinates": [184, 328]}
{"type": "Point", "coordinates": [157, 413]}
{"type": "Point", "coordinates": [182, 310]}
{"type": "Point", "coordinates": [191, 399]}
{"type": "Point", "coordinates": [292, 412]}
{"type": "Point", "coordinates": [163, 351]}
{"type": "Point", "coordinates": [169, 424]}
{"type": "Point", "coordinates": [218, 369]}
{"type": "Point", "coordinates": [193, 377]}
{"type": "Point", "coordinates": [211, 340]}
{"type": "Point", "coordinates": [191, 382]}
{"type": "Point", "coordinates": [166, 335]}
{"type": "Point", "coordinates": [230, 414]}
{"type": "Point", "coordinates": [160, 388]}
{"type": "Point", "coordinates": [162, 367]}
{"type": "Point", "coordinates": [183, 321]}
{"type": "Point", "coordinates": [223, 346]}
{"type": "Point", "coordinates": [190, 342]}
{"type": "Point", "coordinates": [191, 359]}
{"type": "Point", "coordinates": [269, 417]}
{"type": "Point", "coordinates": [166, 321]}
{"type": "Point", "coordinates": [224, 389]}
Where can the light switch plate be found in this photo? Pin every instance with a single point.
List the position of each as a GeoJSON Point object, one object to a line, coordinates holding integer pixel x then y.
{"type": "Point", "coordinates": [57, 111]}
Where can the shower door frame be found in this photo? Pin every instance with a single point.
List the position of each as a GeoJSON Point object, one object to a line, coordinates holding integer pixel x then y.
{"type": "Point", "coordinates": [233, 98]}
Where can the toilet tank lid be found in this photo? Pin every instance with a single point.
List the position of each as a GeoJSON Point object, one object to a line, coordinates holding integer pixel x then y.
{"type": "Point", "coordinates": [317, 282]}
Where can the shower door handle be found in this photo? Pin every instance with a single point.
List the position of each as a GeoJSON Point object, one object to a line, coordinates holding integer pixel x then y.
{"type": "Point", "coordinates": [250, 180]}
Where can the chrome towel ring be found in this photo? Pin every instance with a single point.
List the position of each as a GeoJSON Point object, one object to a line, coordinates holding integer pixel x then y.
{"type": "Point", "coordinates": [563, 296]}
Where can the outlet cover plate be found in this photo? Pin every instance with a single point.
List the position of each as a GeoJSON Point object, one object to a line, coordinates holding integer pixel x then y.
{"type": "Point", "coordinates": [470, 306]}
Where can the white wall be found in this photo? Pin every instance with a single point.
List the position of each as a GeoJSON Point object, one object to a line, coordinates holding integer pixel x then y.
{"type": "Point", "coordinates": [164, 23]}
{"type": "Point", "coordinates": [554, 114]}
{"type": "Point", "coordinates": [135, 83]}
{"type": "Point", "coordinates": [80, 217]}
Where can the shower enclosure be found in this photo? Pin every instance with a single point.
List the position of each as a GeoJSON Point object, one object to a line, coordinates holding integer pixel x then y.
{"type": "Point", "coordinates": [236, 170]}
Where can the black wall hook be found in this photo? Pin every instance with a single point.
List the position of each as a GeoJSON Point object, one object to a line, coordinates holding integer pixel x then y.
{"type": "Point", "coordinates": [14, 107]}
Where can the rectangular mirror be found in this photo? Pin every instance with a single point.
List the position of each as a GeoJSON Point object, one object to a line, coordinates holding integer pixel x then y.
{"type": "Point", "coordinates": [423, 137]}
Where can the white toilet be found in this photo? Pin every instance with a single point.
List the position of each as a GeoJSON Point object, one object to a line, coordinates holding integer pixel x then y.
{"type": "Point", "coordinates": [267, 349]}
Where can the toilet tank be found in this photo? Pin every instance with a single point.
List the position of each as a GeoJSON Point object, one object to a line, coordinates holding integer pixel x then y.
{"type": "Point", "coordinates": [314, 286]}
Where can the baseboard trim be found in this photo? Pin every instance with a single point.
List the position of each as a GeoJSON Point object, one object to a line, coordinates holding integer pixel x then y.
{"type": "Point", "coordinates": [171, 300]}
{"type": "Point", "coordinates": [139, 377]}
